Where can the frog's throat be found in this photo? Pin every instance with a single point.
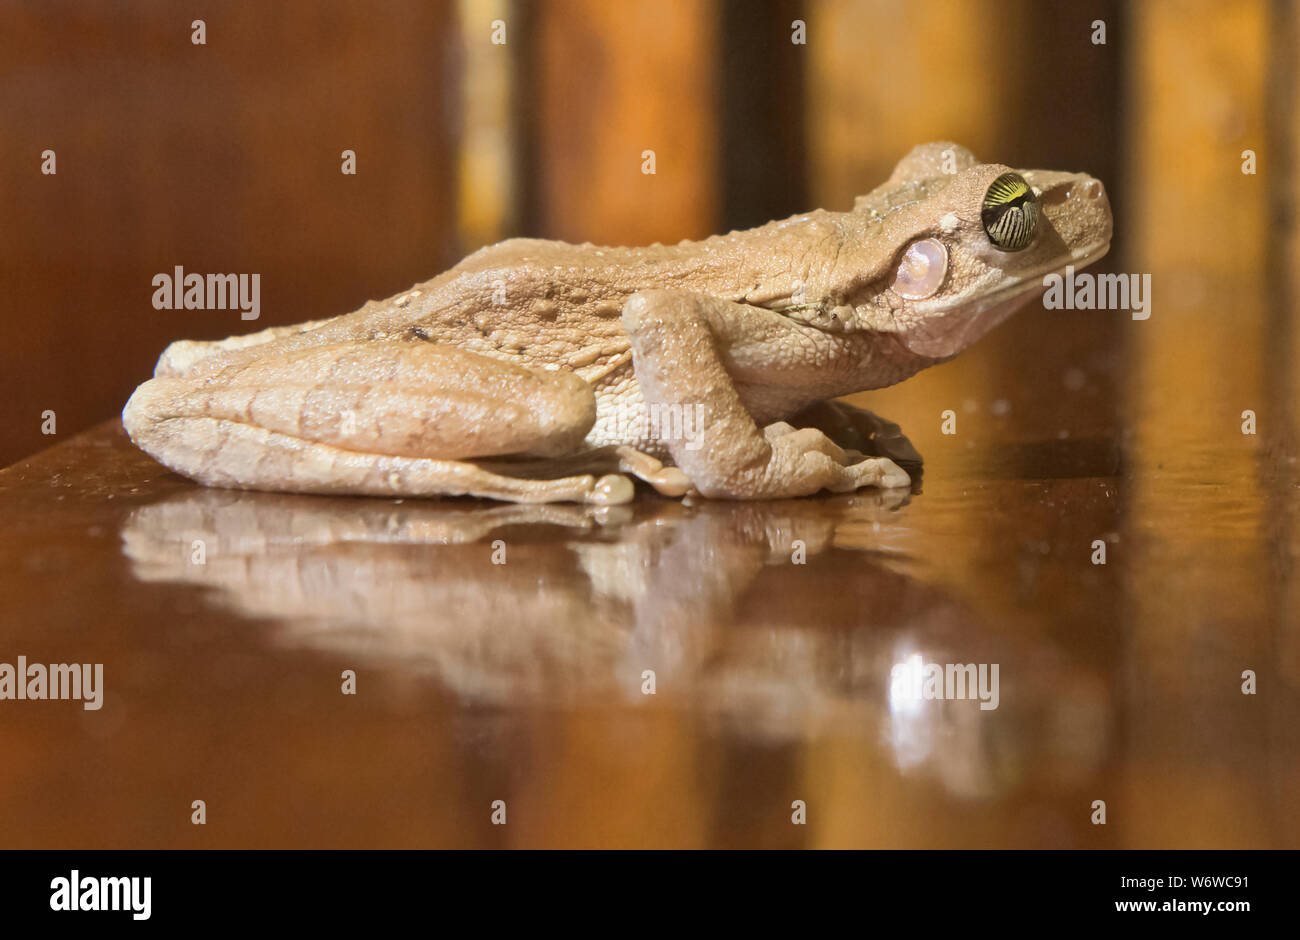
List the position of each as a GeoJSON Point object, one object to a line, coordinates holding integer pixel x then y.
{"type": "Point", "coordinates": [942, 337]}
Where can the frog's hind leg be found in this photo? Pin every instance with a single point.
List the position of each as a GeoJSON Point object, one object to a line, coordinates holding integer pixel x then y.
{"type": "Point", "coordinates": [184, 353]}
{"type": "Point", "coordinates": [388, 419]}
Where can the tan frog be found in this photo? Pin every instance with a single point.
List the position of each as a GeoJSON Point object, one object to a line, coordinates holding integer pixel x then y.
{"type": "Point", "coordinates": [538, 371]}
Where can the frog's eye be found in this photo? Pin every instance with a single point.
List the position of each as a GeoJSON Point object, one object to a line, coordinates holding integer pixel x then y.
{"type": "Point", "coordinates": [922, 270]}
{"type": "Point", "coordinates": [1010, 212]}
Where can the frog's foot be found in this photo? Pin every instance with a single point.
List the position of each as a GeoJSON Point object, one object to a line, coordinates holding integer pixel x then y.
{"type": "Point", "coordinates": [668, 481]}
{"type": "Point", "coordinates": [384, 419]}
{"type": "Point", "coordinates": [860, 431]}
{"type": "Point", "coordinates": [806, 457]}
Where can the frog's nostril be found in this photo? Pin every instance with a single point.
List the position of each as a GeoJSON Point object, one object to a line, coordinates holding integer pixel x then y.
{"type": "Point", "coordinates": [1093, 189]}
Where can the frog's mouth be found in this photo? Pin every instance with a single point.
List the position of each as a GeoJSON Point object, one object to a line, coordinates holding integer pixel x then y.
{"type": "Point", "coordinates": [942, 336]}
{"type": "Point", "coordinates": [1034, 281]}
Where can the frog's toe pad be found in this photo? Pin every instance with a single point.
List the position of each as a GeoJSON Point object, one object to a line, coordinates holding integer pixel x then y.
{"type": "Point", "coordinates": [611, 490]}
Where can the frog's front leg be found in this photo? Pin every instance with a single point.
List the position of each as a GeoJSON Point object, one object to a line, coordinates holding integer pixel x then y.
{"type": "Point", "coordinates": [690, 350]}
{"type": "Point", "coordinates": [379, 418]}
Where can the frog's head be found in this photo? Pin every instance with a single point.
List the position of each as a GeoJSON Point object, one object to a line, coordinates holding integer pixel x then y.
{"type": "Point", "coordinates": [957, 246]}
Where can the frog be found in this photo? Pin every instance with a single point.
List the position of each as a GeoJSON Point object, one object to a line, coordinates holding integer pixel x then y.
{"type": "Point", "coordinates": [538, 371]}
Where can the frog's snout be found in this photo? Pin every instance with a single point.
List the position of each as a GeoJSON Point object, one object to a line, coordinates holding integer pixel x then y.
{"type": "Point", "coordinates": [1093, 205]}
{"type": "Point", "coordinates": [1078, 208]}
{"type": "Point", "coordinates": [1089, 195]}
{"type": "Point", "coordinates": [1090, 189]}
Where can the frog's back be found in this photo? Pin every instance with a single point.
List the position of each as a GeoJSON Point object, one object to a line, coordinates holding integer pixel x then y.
{"type": "Point", "coordinates": [554, 290]}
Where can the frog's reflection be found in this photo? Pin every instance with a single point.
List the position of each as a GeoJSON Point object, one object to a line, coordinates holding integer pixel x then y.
{"type": "Point", "coordinates": [776, 621]}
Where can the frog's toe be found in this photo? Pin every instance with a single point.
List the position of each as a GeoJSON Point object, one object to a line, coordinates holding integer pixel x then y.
{"type": "Point", "coordinates": [890, 475]}
{"type": "Point", "coordinates": [611, 490]}
{"type": "Point", "coordinates": [876, 471]}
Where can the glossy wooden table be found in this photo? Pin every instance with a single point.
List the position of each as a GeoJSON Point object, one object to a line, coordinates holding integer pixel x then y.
{"type": "Point", "coordinates": [524, 681]}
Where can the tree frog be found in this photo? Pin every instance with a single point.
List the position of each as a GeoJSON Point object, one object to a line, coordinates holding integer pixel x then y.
{"type": "Point", "coordinates": [539, 371]}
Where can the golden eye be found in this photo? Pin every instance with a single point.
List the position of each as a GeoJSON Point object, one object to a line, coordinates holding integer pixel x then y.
{"type": "Point", "coordinates": [1010, 212]}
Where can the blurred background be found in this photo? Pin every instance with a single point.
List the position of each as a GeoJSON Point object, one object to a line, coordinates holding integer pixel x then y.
{"type": "Point", "coordinates": [225, 157]}
{"type": "Point", "coordinates": [1074, 425]}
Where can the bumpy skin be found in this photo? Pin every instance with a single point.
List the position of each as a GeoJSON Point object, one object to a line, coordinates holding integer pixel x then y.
{"type": "Point", "coordinates": [535, 370]}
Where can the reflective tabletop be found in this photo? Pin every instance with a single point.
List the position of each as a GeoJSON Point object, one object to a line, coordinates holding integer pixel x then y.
{"type": "Point", "coordinates": [361, 672]}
